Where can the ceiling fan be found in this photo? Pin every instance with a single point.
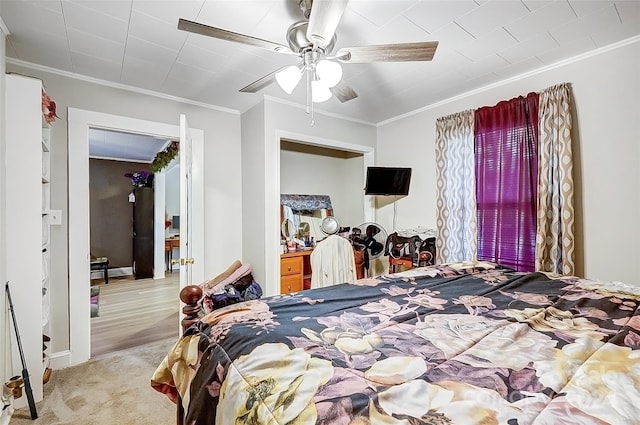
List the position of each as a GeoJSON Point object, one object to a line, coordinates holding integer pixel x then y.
{"type": "Point", "coordinates": [313, 40]}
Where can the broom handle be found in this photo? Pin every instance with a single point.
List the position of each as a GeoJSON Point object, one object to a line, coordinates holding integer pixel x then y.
{"type": "Point", "coordinates": [25, 372]}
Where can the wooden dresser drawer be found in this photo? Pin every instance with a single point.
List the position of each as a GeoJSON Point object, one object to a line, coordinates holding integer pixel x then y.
{"type": "Point", "coordinates": [289, 266]}
{"type": "Point", "coordinates": [291, 283]}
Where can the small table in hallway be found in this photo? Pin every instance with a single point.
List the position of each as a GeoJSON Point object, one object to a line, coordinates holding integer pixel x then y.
{"type": "Point", "coordinates": [169, 245]}
{"type": "Point", "coordinates": [103, 265]}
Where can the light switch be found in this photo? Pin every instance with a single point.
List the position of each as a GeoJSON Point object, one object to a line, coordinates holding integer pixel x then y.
{"type": "Point", "coordinates": [55, 217]}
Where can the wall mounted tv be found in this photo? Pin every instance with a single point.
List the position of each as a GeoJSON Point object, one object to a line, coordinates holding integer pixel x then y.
{"type": "Point", "coordinates": [387, 181]}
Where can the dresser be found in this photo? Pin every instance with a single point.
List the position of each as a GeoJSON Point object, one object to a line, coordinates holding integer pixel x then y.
{"type": "Point", "coordinates": [295, 270]}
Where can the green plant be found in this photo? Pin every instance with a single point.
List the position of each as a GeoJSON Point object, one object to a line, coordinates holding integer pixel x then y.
{"type": "Point", "coordinates": [164, 158]}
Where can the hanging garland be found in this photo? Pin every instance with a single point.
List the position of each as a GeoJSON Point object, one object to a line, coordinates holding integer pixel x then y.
{"type": "Point", "coordinates": [164, 158]}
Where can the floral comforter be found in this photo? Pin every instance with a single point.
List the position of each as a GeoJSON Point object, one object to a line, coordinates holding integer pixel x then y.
{"type": "Point", "coordinates": [441, 345]}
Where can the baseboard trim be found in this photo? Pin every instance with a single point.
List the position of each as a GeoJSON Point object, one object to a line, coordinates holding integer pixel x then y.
{"type": "Point", "coordinates": [114, 272]}
{"type": "Point", "coordinates": [60, 359]}
{"type": "Point", "coordinates": [121, 271]}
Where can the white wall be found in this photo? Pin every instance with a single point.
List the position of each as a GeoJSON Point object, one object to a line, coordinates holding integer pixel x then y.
{"type": "Point", "coordinates": [314, 174]}
{"type": "Point", "coordinates": [265, 125]}
{"type": "Point", "coordinates": [606, 89]}
{"type": "Point", "coordinates": [221, 156]}
{"type": "Point", "coordinates": [253, 191]}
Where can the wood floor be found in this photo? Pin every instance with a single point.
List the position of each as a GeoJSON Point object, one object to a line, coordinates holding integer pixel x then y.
{"type": "Point", "coordinates": [135, 312]}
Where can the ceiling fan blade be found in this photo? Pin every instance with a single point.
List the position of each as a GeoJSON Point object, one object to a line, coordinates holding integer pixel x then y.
{"type": "Point", "coordinates": [401, 52]}
{"type": "Point", "coordinates": [324, 19]}
{"type": "Point", "coordinates": [343, 92]}
{"type": "Point", "coordinates": [202, 29]}
{"type": "Point", "coordinates": [262, 82]}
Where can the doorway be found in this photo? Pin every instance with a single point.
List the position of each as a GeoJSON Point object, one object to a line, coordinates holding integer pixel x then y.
{"type": "Point", "coordinates": [118, 163]}
{"type": "Point", "coordinates": [79, 123]}
{"type": "Point", "coordinates": [272, 193]}
{"type": "Point", "coordinates": [122, 186]}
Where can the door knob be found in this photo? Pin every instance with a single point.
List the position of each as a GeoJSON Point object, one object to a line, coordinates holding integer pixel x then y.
{"type": "Point", "coordinates": [183, 261]}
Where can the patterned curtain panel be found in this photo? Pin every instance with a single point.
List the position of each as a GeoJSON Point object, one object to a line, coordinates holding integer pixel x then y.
{"type": "Point", "coordinates": [506, 138]}
{"type": "Point", "coordinates": [456, 188]}
{"type": "Point", "coordinates": [555, 241]}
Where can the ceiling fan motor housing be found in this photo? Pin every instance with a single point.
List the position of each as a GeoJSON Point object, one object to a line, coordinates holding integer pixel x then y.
{"type": "Point", "coordinates": [298, 41]}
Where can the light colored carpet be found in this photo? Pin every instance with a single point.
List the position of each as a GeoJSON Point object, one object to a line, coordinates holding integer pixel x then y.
{"type": "Point", "coordinates": [110, 389]}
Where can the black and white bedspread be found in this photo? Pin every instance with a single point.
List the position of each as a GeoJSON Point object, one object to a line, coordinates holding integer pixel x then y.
{"type": "Point", "coordinates": [454, 344]}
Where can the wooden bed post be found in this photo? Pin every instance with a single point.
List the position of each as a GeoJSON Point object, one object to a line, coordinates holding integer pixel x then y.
{"type": "Point", "coordinates": [190, 295]}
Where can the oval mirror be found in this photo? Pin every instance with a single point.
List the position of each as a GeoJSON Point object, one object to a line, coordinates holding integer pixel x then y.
{"type": "Point", "coordinates": [288, 229]}
{"type": "Point", "coordinates": [329, 225]}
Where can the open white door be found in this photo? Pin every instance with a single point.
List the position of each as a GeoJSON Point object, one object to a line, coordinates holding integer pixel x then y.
{"type": "Point", "coordinates": [186, 208]}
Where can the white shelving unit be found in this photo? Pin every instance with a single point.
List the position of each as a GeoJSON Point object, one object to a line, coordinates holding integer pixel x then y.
{"type": "Point", "coordinates": [46, 232]}
{"type": "Point", "coordinates": [28, 236]}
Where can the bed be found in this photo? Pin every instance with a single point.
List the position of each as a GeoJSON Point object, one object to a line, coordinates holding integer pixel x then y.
{"type": "Point", "coordinates": [450, 344]}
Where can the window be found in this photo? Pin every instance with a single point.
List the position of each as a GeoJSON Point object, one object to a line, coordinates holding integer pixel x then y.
{"type": "Point", "coordinates": [505, 139]}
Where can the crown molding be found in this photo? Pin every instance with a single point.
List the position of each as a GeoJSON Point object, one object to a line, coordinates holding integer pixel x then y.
{"type": "Point", "coordinates": [509, 80]}
{"type": "Point", "coordinates": [120, 86]}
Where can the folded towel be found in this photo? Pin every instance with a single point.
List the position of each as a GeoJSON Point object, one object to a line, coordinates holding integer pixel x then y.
{"type": "Point", "coordinates": [237, 274]}
{"type": "Point", "coordinates": [222, 276]}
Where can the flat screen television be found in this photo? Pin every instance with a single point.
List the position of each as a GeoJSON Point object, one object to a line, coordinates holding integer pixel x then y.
{"type": "Point", "coordinates": [387, 181]}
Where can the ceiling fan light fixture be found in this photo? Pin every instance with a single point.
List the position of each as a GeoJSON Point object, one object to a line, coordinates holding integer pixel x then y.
{"type": "Point", "coordinates": [329, 72]}
{"type": "Point", "coordinates": [289, 78]}
{"type": "Point", "coordinates": [319, 91]}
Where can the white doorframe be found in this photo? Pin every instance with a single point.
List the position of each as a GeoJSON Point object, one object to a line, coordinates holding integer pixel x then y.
{"type": "Point", "coordinates": [272, 195]}
{"type": "Point", "coordinates": [79, 122]}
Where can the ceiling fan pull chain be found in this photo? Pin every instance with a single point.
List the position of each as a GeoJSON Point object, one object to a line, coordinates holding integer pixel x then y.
{"type": "Point", "coordinates": [309, 97]}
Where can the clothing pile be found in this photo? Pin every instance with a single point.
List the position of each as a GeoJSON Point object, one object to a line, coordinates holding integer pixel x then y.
{"type": "Point", "coordinates": [234, 285]}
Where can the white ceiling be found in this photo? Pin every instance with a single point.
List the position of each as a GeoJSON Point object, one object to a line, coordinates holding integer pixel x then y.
{"type": "Point", "coordinates": [137, 43]}
{"type": "Point", "coordinates": [115, 145]}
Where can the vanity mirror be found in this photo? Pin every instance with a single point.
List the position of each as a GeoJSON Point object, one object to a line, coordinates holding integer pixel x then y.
{"type": "Point", "coordinates": [306, 212]}
{"type": "Point", "coordinates": [288, 229]}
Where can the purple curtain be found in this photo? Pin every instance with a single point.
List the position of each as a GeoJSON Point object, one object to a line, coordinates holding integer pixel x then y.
{"type": "Point", "coordinates": [506, 139]}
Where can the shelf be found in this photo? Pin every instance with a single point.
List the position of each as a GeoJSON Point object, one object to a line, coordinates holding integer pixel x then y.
{"type": "Point", "coordinates": [46, 137]}
{"type": "Point", "coordinates": [28, 191]}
